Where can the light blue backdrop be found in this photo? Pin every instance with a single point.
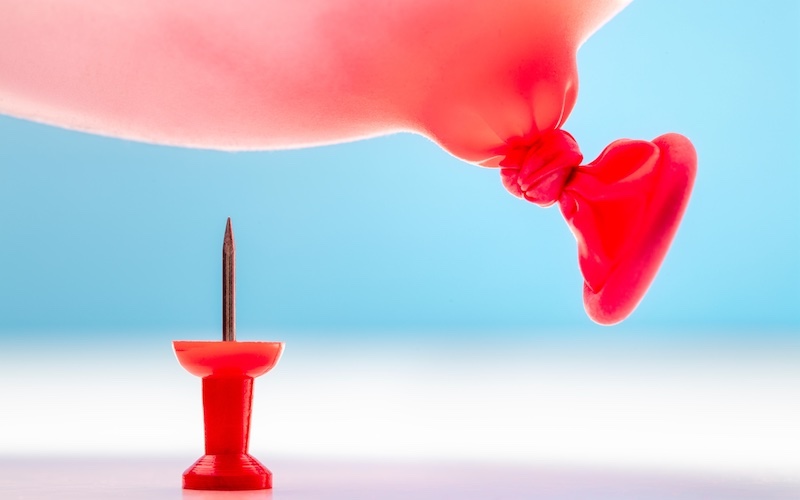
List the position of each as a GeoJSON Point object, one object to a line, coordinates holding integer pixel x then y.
{"type": "Point", "coordinates": [102, 235]}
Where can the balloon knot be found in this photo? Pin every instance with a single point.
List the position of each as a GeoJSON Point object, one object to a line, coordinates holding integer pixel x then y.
{"type": "Point", "coordinates": [538, 171]}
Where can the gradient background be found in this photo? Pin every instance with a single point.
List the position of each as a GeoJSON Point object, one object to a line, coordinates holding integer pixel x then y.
{"type": "Point", "coordinates": [427, 313]}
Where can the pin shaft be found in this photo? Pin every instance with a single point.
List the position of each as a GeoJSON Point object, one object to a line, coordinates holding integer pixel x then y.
{"type": "Point", "coordinates": [228, 285]}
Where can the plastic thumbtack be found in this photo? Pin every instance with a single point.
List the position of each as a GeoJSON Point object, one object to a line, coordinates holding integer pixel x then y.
{"type": "Point", "coordinates": [227, 368]}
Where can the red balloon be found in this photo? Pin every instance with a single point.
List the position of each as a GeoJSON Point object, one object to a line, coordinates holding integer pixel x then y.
{"type": "Point", "coordinates": [492, 82]}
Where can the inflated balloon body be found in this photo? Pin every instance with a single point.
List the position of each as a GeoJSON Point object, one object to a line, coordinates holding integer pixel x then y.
{"type": "Point", "coordinates": [491, 81]}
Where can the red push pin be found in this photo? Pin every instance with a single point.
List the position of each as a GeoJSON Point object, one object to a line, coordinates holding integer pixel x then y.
{"type": "Point", "coordinates": [227, 369]}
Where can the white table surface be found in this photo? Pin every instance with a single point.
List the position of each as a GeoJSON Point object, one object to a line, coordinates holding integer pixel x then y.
{"type": "Point", "coordinates": [156, 479]}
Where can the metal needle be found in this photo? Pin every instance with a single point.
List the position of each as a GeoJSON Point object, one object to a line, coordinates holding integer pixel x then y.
{"type": "Point", "coordinates": [228, 285]}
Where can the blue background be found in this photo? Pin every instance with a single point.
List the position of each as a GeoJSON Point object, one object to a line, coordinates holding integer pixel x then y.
{"type": "Point", "coordinates": [102, 235]}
